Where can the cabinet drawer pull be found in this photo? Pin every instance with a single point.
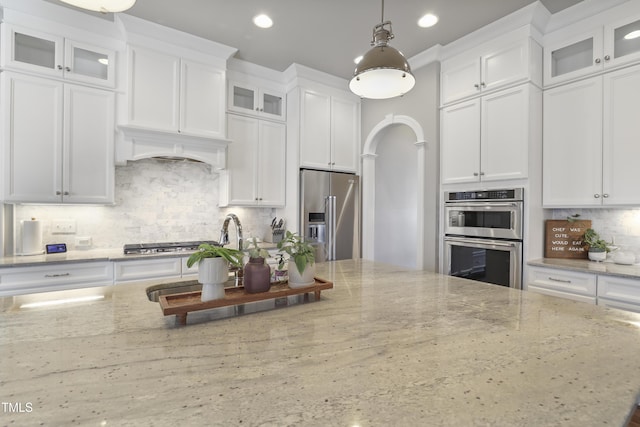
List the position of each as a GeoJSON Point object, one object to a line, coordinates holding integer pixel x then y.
{"type": "Point", "coordinates": [559, 280]}
{"type": "Point", "coordinates": [607, 57]}
{"type": "Point", "coordinates": [598, 60]}
{"type": "Point", "coordinates": [48, 276]}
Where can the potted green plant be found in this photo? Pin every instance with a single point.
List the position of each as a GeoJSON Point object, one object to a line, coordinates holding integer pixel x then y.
{"type": "Point", "coordinates": [257, 274]}
{"type": "Point", "coordinates": [598, 247]}
{"type": "Point", "coordinates": [301, 259]}
{"type": "Point", "coordinates": [213, 268]}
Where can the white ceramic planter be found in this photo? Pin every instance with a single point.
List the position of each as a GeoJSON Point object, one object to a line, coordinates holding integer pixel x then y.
{"type": "Point", "coordinates": [597, 255]}
{"type": "Point", "coordinates": [297, 280]}
{"type": "Point", "coordinates": [213, 273]}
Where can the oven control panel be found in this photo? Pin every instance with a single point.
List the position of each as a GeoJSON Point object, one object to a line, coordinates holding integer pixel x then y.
{"type": "Point", "coordinates": [484, 195]}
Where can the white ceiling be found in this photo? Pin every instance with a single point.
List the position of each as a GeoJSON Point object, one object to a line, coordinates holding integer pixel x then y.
{"type": "Point", "coordinates": [326, 34]}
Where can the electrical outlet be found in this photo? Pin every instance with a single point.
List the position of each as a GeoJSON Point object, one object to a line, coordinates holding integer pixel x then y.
{"type": "Point", "coordinates": [63, 226]}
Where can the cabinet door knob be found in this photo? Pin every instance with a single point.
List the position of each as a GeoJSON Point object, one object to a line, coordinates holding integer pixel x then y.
{"type": "Point", "coordinates": [481, 173]}
{"type": "Point", "coordinates": [58, 193]}
{"type": "Point", "coordinates": [477, 86]}
{"type": "Point", "coordinates": [59, 67]}
{"type": "Point", "coordinates": [66, 193]}
{"type": "Point", "coordinates": [605, 195]}
{"type": "Point", "coordinates": [607, 57]}
{"type": "Point", "coordinates": [598, 60]}
{"type": "Point", "coordinates": [483, 84]}
{"type": "Point", "coordinates": [475, 174]}
{"type": "Point", "coordinates": [67, 69]}
{"type": "Point", "coordinates": [597, 196]}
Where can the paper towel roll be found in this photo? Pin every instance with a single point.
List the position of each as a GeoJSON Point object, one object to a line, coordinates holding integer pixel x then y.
{"type": "Point", "coordinates": [31, 237]}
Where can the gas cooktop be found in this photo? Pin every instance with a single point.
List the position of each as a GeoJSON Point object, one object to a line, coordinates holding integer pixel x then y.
{"type": "Point", "coordinates": [153, 248]}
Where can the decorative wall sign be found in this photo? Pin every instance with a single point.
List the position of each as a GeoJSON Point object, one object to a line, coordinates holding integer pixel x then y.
{"type": "Point", "coordinates": [563, 238]}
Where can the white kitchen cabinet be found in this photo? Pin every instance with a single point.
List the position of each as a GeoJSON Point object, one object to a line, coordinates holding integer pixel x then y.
{"type": "Point", "coordinates": [487, 138]}
{"type": "Point", "coordinates": [329, 132]}
{"type": "Point", "coordinates": [568, 57]}
{"type": "Point", "coordinates": [53, 55]}
{"type": "Point", "coordinates": [57, 141]}
{"type": "Point", "coordinates": [174, 94]}
{"type": "Point", "coordinates": [564, 284]}
{"type": "Point", "coordinates": [589, 137]}
{"type": "Point", "coordinates": [256, 101]}
{"type": "Point", "coordinates": [255, 174]}
{"type": "Point", "coordinates": [502, 63]}
{"type": "Point", "coordinates": [55, 277]}
{"type": "Point", "coordinates": [619, 292]}
{"type": "Point", "coordinates": [145, 269]}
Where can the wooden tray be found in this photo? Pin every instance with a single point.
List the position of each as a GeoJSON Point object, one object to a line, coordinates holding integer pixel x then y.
{"type": "Point", "coordinates": [183, 303]}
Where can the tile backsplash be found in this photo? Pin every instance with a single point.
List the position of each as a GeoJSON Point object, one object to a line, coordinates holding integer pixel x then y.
{"type": "Point", "coordinates": [155, 201]}
{"type": "Point", "coordinates": [620, 225]}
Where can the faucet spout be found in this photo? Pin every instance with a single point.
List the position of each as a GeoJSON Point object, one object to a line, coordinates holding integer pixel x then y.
{"type": "Point", "coordinates": [224, 233]}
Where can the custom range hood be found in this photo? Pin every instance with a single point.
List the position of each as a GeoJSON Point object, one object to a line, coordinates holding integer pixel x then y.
{"type": "Point", "coordinates": [174, 95]}
{"type": "Point", "coordinates": [142, 143]}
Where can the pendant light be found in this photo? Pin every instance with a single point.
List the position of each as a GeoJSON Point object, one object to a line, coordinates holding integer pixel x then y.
{"type": "Point", "coordinates": [103, 6]}
{"type": "Point", "coordinates": [383, 72]}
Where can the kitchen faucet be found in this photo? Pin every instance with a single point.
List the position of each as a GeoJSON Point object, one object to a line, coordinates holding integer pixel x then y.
{"type": "Point", "coordinates": [224, 233]}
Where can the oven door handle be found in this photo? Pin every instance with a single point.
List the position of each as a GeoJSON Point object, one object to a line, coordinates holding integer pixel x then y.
{"type": "Point", "coordinates": [480, 242]}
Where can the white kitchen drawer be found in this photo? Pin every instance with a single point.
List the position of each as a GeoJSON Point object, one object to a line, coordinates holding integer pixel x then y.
{"type": "Point", "coordinates": [562, 281]}
{"type": "Point", "coordinates": [619, 305]}
{"type": "Point", "coordinates": [560, 294]}
{"type": "Point", "coordinates": [619, 289]}
{"type": "Point", "coordinates": [144, 269]}
{"type": "Point", "coordinates": [53, 277]}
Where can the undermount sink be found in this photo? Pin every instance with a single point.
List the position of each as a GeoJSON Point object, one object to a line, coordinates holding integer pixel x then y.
{"type": "Point", "coordinates": [154, 292]}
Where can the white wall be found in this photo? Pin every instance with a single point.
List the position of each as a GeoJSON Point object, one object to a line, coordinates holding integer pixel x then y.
{"type": "Point", "coordinates": [395, 197]}
{"type": "Point", "coordinates": [421, 104]}
{"type": "Point", "coordinates": [155, 201]}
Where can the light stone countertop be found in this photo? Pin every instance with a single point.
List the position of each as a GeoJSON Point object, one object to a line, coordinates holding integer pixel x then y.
{"type": "Point", "coordinates": [91, 256]}
{"type": "Point", "coordinates": [385, 347]}
{"type": "Point", "coordinates": [608, 267]}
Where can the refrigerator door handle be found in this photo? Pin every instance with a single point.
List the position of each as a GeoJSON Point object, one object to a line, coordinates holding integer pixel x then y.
{"type": "Point", "coordinates": [330, 215]}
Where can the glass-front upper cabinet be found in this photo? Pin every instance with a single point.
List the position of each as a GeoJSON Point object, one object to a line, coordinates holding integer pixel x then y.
{"type": "Point", "coordinates": [248, 99]}
{"type": "Point", "coordinates": [611, 46]}
{"type": "Point", "coordinates": [34, 51]}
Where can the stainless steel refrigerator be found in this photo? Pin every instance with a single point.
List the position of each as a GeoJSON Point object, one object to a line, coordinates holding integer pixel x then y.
{"type": "Point", "coordinates": [330, 213]}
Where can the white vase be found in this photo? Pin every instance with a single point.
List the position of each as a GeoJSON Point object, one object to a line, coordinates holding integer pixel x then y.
{"type": "Point", "coordinates": [299, 280]}
{"type": "Point", "coordinates": [213, 274]}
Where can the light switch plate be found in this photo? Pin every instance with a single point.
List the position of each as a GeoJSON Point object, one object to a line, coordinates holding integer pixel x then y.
{"type": "Point", "coordinates": [63, 226]}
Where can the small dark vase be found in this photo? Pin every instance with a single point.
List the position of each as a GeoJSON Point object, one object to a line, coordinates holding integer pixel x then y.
{"type": "Point", "coordinates": [257, 276]}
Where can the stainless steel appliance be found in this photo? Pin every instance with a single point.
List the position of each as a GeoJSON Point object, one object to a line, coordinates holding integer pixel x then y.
{"type": "Point", "coordinates": [483, 235]}
{"type": "Point", "coordinates": [330, 213]}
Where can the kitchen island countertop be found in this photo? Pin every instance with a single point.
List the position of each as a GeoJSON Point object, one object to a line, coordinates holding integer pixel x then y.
{"type": "Point", "coordinates": [386, 346]}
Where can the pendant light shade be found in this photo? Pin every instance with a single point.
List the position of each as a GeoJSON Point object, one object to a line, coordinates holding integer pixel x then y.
{"type": "Point", "coordinates": [383, 71]}
{"type": "Point", "coordinates": [103, 6]}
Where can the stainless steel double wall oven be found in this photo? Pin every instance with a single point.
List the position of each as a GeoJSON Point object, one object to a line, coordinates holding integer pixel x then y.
{"type": "Point", "coordinates": [483, 235]}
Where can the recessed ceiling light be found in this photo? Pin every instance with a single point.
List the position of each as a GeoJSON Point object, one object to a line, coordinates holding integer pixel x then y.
{"type": "Point", "coordinates": [263, 21]}
{"type": "Point", "coordinates": [632, 35]}
{"type": "Point", "coordinates": [428, 20]}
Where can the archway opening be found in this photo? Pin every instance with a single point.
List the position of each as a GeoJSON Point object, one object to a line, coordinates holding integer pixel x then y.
{"type": "Point", "coordinates": [396, 186]}
{"type": "Point", "coordinates": [393, 173]}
